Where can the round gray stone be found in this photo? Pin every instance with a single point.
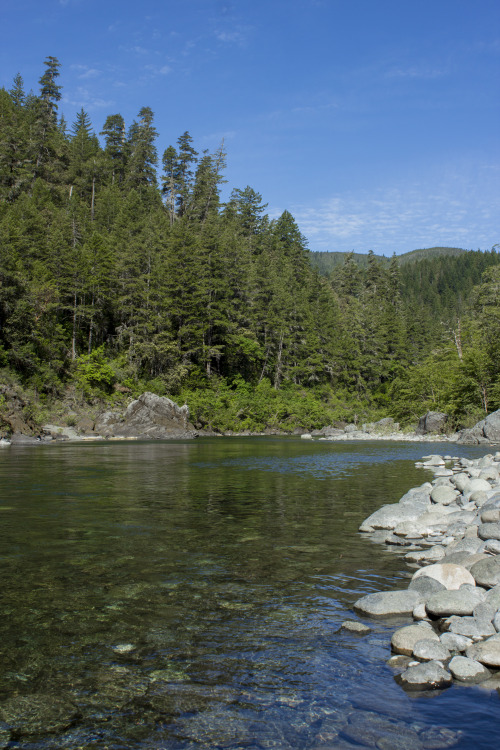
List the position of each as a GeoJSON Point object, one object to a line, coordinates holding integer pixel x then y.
{"type": "Point", "coordinates": [468, 544]}
{"type": "Point", "coordinates": [464, 669]}
{"type": "Point", "coordinates": [452, 576]}
{"type": "Point", "coordinates": [471, 627]}
{"type": "Point", "coordinates": [493, 597]}
{"type": "Point", "coordinates": [404, 639]}
{"type": "Point", "coordinates": [433, 554]}
{"type": "Point", "coordinates": [454, 642]}
{"type": "Point", "coordinates": [489, 531]}
{"type": "Point", "coordinates": [476, 485]}
{"type": "Point", "coordinates": [461, 480]}
{"type": "Point", "coordinates": [353, 626]}
{"type": "Point", "coordinates": [487, 572]}
{"type": "Point", "coordinates": [383, 604]}
{"type": "Point", "coordinates": [427, 650]}
{"type": "Point", "coordinates": [490, 516]}
{"type": "Point", "coordinates": [389, 516]}
{"type": "Point", "coordinates": [443, 494]}
{"type": "Point", "coordinates": [493, 546]}
{"type": "Point", "coordinates": [486, 652]}
{"type": "Point", "coordinates": [457, 602]}
{"type": "Point", "coordinates": [426, 676]}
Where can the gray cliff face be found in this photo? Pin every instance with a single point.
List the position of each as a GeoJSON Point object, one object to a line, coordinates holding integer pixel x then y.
{"type": "Point", "coordinates": [149, 416]}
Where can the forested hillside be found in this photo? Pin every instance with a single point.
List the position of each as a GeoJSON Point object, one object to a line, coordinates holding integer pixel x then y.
{"type": "Point", "coordinates": [121, 270]}
{"type": "Point", "coordinates": [326, 262]}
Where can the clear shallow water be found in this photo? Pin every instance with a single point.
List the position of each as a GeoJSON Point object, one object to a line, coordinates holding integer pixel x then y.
{"type": "Point", "coordinates": [190, 595]}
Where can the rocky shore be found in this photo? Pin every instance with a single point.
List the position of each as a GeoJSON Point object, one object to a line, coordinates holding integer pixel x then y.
{"type": "Point", "coordinates": [147, 417]}
{"type": "Point", "coordinates": [431, 426]}
{"type": "Point", "coordinates": [449, 529]}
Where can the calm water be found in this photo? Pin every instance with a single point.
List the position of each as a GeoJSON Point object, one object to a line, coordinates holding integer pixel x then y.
{"type": "Point", "coordinates": [190, 595]}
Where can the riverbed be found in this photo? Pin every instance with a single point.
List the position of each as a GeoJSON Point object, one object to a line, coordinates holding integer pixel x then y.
{"type": "Point", "coordinates": [191, 595]}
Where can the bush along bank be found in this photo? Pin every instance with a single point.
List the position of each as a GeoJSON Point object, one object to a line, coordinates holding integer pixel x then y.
{"type": "Point", "coordinates": [450, 528]}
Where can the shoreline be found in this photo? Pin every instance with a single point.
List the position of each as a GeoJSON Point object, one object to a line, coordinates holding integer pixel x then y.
{"type": "Point", "coordinates": [61, 433]}
{"type": "Point", "coordinates": [68, 435]}
{"type": "Point", "coordinates": [449, 529]}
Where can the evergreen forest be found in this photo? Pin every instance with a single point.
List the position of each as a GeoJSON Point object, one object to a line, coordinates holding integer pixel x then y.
{"type": "Point", "coordinates": [121, 270]}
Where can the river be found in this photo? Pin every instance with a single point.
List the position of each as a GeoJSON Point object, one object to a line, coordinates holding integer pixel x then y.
{"type": "Point", "coordinates": [189, 595]}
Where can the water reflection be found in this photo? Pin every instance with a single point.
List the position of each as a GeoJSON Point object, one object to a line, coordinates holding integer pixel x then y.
{"type": "Point", "coordinates": [185, 595]}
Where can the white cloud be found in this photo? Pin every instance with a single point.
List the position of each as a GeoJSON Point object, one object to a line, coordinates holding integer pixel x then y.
{"type": "Point", "coordinates": [217, 138]}
{"type": "Point", "coordinates": [233, 34]}
{"type": "Point", "coordinates": [158, 70]}
{"type": "Point", "coordinates": [84, 71]}
{"type": "Point", "coordinates": [401, 218]}
{"type": "Point", "coordinates": [82, 97]}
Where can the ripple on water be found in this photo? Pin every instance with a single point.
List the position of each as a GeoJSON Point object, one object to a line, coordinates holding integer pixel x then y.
{"type": "Point", "coordinates": [167, 595]}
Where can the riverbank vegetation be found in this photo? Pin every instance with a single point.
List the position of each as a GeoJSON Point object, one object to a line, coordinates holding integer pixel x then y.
{"type": "Point", "coordinates": [121, 270]}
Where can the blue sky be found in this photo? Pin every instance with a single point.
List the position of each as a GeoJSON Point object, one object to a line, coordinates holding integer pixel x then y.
{"type": "Point", "coordinates": [374, 122]}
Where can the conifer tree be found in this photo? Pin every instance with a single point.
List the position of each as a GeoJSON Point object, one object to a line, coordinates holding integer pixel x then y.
{"type": "Point", "coordinates": [187, 157]}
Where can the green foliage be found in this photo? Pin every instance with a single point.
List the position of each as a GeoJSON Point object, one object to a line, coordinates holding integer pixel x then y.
{"type": "Point", "coordinates": [93, 371]}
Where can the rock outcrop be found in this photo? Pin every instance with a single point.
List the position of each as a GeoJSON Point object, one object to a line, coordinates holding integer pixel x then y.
{"type": "Point", "coordinates": [485, 431]}
{"type": "Point", "coordinates": [432, 422]}
{"type": "Point", "coordinates": [12, 414]}
{"type": "Point", "coordinates": [150, 416]}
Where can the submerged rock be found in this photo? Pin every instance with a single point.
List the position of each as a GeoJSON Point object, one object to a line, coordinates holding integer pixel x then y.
{"type": "Point", "coordinates": [389, 516]}
{"type": "Point", "coordinates": [427, 676]}
{"type": "Point", "coordinates": [354, 626]}
{"type": "Point", "coordinates": [37, 714]}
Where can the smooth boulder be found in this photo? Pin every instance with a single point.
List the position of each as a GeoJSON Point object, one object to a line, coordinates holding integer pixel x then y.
{"type": "Point", "coordinates": [486, 652]}
{"type": "Point", "coordinates": [455, 602]}
{"type": "Point", "coordinates": [452, 576]}
{"type": "Point", "coordinates": [389, 516]}
{"type": "Point", "coordinates": [464, 669]}
{"type": "Point", "coordinates": [487, 572]}
{"type": "Point", "coordinates": [386, 603]}
{"type": "Point", "coordinates": [443, 494]}
{"type": "Point", "coordinates": [404, 639]}
{"type": "Point", "coordinates": [426, 676]}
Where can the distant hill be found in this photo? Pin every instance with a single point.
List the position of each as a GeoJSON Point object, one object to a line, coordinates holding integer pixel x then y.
{"type": "Point", "coordinates": [429, 253]}
{"type": "Point", "coordinates": [437, 281]}
{"type": "Point", "coordinates": [325, 262]}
